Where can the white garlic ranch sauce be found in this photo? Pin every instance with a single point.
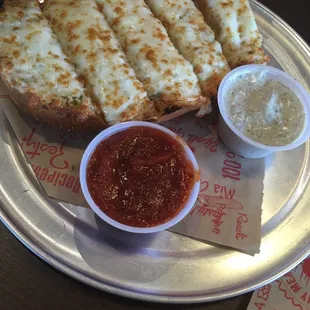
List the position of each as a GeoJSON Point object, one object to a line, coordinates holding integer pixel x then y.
{"type": "Point", "coordinates": [264, 110]}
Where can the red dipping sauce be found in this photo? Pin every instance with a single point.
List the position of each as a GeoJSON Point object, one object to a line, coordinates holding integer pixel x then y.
{"type": "Point", "coordinates": [140, 177]}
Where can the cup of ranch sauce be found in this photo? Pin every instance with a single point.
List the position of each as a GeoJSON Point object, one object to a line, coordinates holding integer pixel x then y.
{"type": "Point", "coordinates": [262, 110]}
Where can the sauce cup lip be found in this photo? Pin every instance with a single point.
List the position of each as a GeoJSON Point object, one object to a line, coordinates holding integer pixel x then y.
{"type": "Point", "coordinates": [283, 78]}
{"type": "Point", "coordinates": [113, 130]}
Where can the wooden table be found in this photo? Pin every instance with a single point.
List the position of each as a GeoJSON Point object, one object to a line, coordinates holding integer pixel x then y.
{"type": "Point", "coordinates": [26, 282]}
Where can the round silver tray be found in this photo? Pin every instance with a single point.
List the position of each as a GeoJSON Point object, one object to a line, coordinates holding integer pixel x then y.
{"type": "Point", "coordinates": [167, 267]}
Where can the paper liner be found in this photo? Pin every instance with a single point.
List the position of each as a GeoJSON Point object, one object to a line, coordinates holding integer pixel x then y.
{"type": "Point", "coordinates": [290, 292]}
{"type": "Point", "coordinates": [228, 210]}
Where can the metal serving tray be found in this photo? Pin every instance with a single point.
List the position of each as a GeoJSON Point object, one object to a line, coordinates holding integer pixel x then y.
{"type": "Point", "coordinates": [167, 267]}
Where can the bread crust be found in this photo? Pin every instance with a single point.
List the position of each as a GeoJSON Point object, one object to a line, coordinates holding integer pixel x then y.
{"type": "Point", "coordinates": [179, 110]}
{"type": "Point", "coordinates": [82, 117]}
{"type": "Point", "coordinates": [166, 103]}
{"type": "Point", "coordinates": [55, 112]}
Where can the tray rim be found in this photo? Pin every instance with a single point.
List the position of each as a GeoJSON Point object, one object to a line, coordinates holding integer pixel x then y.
{"type": "Point", "coordinates": [20, 235]}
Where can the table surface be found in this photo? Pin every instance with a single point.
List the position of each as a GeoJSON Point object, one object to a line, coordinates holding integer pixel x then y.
{"type": "Point", "coordinates": [29, 283]}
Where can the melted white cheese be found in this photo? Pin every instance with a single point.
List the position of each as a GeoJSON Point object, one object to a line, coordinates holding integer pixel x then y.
{"type": "Point", "coordinates": [194, 39]}
{"type": "Point", "coordinates": [163, 71]}
{"type": "Point", "coordinates": [235, 28]}
{"type": "Point", "coordinates": [31, 57]}
{"type": "Point", "coordinates": [93, 48]}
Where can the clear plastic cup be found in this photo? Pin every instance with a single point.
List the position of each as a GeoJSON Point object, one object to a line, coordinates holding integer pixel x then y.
{"type": "Point", "coordinates": [113, 130]}
{"type": "Point", "coordinates": [236, 140]}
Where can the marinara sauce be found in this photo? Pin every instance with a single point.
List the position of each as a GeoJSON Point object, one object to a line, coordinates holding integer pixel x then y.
{"type": "Point", "coordinates": [140, 177]}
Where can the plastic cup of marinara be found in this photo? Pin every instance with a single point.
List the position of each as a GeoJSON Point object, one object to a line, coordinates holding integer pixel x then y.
{"type": "Point", "coordinates": [263, 110]}
{"type": "Point", "coordinates": [139, 177]}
